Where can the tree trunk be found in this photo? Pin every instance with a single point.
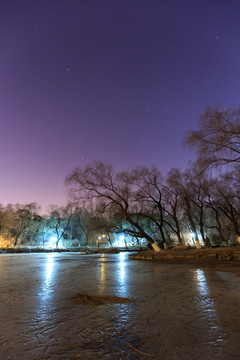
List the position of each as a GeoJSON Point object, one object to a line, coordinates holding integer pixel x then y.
{"type": "Point", "coordinates": [143, 234]}
{"type": "Point", "coordinates": [57, 242]}
{"type": "Point", "coordinates": [155, 247]}
{"type": "Point", "coordinates": [208, 242]}
{"type": "Point", "coordinates": [138, 242]}
{"type": "Point", "coordinates": [165, 246]}
{"type": "Point", "coordinates": [219, 227]}
{"type": "Point", "coordinates": [178, 231]}
{"type": "Point", "coordinates": [198, 246]}
{"type": "Point", "coordinates": [16, 239]}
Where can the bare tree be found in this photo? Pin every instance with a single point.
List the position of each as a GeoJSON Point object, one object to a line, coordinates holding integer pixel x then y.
{"type": "Point", "coordinates": [218, 221]}
{"type": "Point", "coordinates": [172, 201]}
{"type": "Point", "coordinates": [226, 192]}
{"type": "Point", "coordinates": [196, 188]}
{"type": "Point", "coordinates": [24, 215]}
{"type": "Point", "coordinates": [99, 184]}
{"type": "Point", "coordinates": [217, 142]}
{"type": "Point", "coordinates": [149, 184]}
{"type": "Point", "coordinates": [190, 185]}
{"type": "Point", "coordinates": [6, 220]}
{"type": "Point", "coordinates": [59, 221]}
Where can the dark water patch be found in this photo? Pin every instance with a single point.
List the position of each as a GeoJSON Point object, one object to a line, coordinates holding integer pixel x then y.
{"type": "Point", "coordinates": [112, 343]}
{"type": "Point", "coordinates": [87, 299]}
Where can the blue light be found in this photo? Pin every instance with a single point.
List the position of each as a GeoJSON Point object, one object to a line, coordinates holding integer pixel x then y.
{"type": "Point", "coordinates": [120, 241]}
{"type": "Point", "coordinates": [52, 242]}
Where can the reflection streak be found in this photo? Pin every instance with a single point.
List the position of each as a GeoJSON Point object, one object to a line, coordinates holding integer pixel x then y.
{"type": "Point", "coordinates": [202, 283]}
{"type": "Point", "coordinates": [44, 314]}
{"type": "Point", "coordinates": [49, 273]}
{"type": "Point", "coordinates": [121, 274]}
{"type": "Point", "coordinates": [206, 301]}
{"type": "Point", "coordinates": [102, 273]}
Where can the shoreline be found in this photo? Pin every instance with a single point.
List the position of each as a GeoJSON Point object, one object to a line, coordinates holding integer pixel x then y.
{"type": "Point", "coordinates": [219, 254]}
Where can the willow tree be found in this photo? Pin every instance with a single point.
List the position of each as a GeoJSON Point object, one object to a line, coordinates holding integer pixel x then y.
{"type": "Point", "coordinates": [149, 185]}
{"type": "Point", "coordinates": [217, 141]}
{"type": "Point", "coordinates": [114, 192]}
{"type": "Point", "coordinates": [59, 220]}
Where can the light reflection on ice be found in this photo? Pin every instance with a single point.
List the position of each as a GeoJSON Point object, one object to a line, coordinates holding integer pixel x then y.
{"type": "Point", "coordinates": [45, 312]}
{"type": "Point", "coordinates": [122, 267]}
{"type": "Point", "coordinates": [121, 273]}
{"type": "Point", "coordinates": [118, 273]}
{"type": "Point", "coordinates": [206, 302]}
{"type": "Point", "coordinates": [208, 307]}
{"type": "Point", "coordinates": [102, 277]}
{"type": "Point", "coordinates": [48, 274]}
{"type": "Point", "coordinates": [202, 282]}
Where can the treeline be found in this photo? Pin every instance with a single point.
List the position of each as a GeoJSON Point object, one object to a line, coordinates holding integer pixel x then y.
{"type": "Point", "coordinates": [191, 207]}
{"type": "Point", "coordinates": [182, 208]}
{"type": "Point", "coordinates": [182, 205]}
{"type": "Point", "coordinates": [74, 227]}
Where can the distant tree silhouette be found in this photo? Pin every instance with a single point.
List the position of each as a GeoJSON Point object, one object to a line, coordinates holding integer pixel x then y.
{"type": "Point", "coordinates": [217, 141]}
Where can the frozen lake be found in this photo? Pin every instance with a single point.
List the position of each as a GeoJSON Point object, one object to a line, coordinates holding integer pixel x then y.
{"type": "Point", "coordinates": [178, 311]}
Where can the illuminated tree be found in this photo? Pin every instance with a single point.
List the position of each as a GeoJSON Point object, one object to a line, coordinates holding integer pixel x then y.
{"type": "Point", "coordinates": [6, 224]}
{"type": "Point", "coordinates": [190, 189]}
{"type": "Point", "coordinates": [23, 216]}
{"type": "Point", "coordinates": [59, 221]}
{"type": "Point", "coordinates": [77, 226]}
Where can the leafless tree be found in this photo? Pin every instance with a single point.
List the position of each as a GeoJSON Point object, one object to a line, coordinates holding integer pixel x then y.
{"type": "Point", "coordinates": [217, 141]}
{"type": "Point", "coordinates": [59, 221]}
{"type": "Point", "coordinates": [149, 185]}
{"type": "Point", "coordinates": [99, 184]}
{"type": "Point", "coordinates": [173, 203]}
{"type": "Point", "coordinates": [23, 217]}
{"type": "Point", "coordinates": [226, 192]}
{"type": "Point", "coordinates": [196, 187]}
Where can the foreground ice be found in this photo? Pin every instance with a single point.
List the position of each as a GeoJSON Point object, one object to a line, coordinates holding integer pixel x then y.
{"type": "Point", "coordinates": [176, 312]}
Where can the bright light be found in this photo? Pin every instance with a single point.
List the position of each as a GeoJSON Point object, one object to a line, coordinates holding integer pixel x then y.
{"type": "Point", "coordinates": [52, 242]}
{"type": "Point", "coordinates": [120, 242]}
{"type": "Point", "coordinates": [193, 235]}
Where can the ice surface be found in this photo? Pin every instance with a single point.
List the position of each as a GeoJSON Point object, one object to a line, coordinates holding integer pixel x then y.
{"type": "Point", "coordinates": [178, 312]}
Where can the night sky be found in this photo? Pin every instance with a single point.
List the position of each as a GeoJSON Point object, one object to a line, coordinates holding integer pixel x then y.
{"type": "Point", "coordinates": [118, 81]}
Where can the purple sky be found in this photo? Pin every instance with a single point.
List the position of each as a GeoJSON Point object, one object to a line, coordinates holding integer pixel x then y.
{"type": "Point", "coordinates": [117, 81]}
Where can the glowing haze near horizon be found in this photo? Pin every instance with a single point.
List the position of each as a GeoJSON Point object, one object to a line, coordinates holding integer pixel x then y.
{"type": "Point", "coordinates": [117, 81]}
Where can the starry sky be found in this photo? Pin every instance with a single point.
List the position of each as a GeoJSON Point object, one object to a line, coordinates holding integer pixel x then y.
{"type": "Point", "coordinates": [116, 80]}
